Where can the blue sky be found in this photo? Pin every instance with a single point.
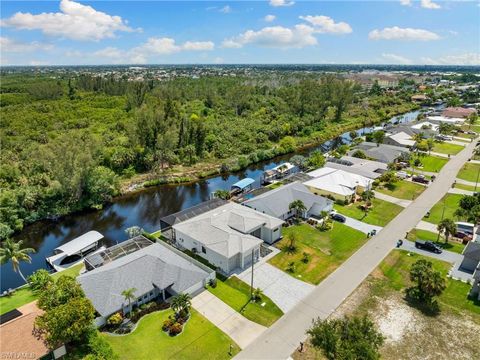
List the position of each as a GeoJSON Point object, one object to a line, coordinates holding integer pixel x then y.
{"type": "Point", "coordinates": [270, 31]}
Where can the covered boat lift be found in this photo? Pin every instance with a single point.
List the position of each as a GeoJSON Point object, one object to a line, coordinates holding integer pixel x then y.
{"type": "Point", "coordinates": [242, 186]}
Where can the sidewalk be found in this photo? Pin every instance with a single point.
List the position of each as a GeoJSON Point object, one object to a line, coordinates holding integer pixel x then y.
{"type": "Point", "coordinates": [424, 225]}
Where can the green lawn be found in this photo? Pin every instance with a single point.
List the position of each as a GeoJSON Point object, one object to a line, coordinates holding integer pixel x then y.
{"type": "Point", "coordinates": [327, 250]}
{"type": "Point", "coordinates": [396, 267]}
{"type": "Point", "coordinates": [25, 295]}
{"type": "Point", "coordinates": [469, 172]}
{"type": "Point", "coordinates": [200, 339]}
{"type": "Point", "coordinates": [380, 214]}
{"type": "Point", "coordinates": [235, 293]}
{"type": "Point", "coordinates": [275, 185]}
{"type": "Point", "coordinates": [452, 245]}
{"type": "Point", "coordinates": [402, 190]}
{"type": "Point", "coordinates": [447, 148]}
{"type": "Point", "coordinates": [466, 187]}
{"type": "Point", "coordinates": [450, 201]}
{"type": "Point", "coordinates": [430, 163]}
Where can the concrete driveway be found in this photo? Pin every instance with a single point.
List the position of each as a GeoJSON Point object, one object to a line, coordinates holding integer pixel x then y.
{"type": "Point", "coordinates": [400, 202]}
{"type": "Point", "coordinates": [361, 226]}
{"type": "Point", "coordinates": [239, 328]}
{"type": "Point", "coordinates": [447, 256]}
{"type": "Point", "coordinates": [283, 289]}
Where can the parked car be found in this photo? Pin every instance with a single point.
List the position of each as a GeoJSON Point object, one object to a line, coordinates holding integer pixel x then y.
{"type": "Point", "coordinates": [338, 217]}
{"type": "Point", "coordinates": [463, 235]}
{"type": "Point", "coordinates": [428, 246]}
{"type": "Point", "coordinates": [444, 137]}
{"type": "Point", "coordinates": [402, 174]}
{"type": "Point", "coordinates": [420, 179]}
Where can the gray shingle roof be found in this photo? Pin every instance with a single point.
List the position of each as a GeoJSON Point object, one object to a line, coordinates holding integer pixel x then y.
{"type": "Point", "coordinates": [153, 266]}
{"type": "Point", "coordinates": [384, 153]}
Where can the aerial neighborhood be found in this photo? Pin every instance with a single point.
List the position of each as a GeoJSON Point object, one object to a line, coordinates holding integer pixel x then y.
{"type": "Point", "coordinates": [253, 180]}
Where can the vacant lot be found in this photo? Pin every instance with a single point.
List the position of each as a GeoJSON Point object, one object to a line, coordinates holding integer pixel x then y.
{"type": "Point", "coordinates": [409, 333]}
{"type": "Point", "coordinates": [446, 206]}
{"type": "Point", "coordinates": [200, 339]}
{"type": "Point", "coordinates": [430, 163]}
{"type": "Point", "coordinates": [469, 172]}
{"type": "Point", "coordinates": [235, 293]}
{"type": "Point", "coordinates": [402, 190]}
{"type": "Point", "coordinates": [447, 148]}
{"type": "Point", "coordinates": [325, 250]}
{"type": "Point", "coordinates": [381, 212]}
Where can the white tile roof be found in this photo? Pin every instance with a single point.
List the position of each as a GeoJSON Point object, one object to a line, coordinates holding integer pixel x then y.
{"type": "Point", "coordinates": [337, 181]}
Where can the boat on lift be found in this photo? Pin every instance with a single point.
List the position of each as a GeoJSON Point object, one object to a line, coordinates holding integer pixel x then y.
{"type": "Point", "coordinates": [73, 252]}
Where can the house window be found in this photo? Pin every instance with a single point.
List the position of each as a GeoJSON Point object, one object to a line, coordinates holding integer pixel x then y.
{"type": "Point", "coordinates": [204, 250]}
{"type": "Point", "coordinates": [274, 230]}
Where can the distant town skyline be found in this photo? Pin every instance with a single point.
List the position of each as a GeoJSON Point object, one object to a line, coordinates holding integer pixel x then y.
{"type": "Point", "coordinates": [405, 32]}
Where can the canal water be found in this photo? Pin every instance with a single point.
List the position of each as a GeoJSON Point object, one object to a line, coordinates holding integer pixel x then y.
{"type": "Point", "coordinates": [144, 209]}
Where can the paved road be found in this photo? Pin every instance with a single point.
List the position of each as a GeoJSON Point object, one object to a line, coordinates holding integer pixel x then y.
{"type": "Point", "coordinates": [447, 256]}
{"type": "Point", "coordinates": [283, 337]}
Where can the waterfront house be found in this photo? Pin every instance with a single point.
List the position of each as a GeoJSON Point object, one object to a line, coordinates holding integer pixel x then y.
{"type": "Point", "coordinates": [458, 112]}
{"type": "Point", "coordinates": [364, 167]}
{"type": "Point", "coordinates": [400, 138]}
{"type": "Point", "coordinates": [381, 152]}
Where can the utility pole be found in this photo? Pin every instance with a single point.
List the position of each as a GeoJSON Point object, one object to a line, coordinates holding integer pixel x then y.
{"type": "Point", "coordinates": [251, 282]}
{"type": "Point", "coordinates": [443, 213]}
{"type": "Point", "coordinates": [476, 182]}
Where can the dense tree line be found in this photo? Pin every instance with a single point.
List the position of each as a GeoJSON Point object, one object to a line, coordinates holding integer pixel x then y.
{"type": "Point", "coordinates": [67, 142]}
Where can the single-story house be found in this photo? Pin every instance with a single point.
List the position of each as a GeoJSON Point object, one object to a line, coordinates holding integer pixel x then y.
{"type": "Point", "coordinates": [276, 202]}
{"type": "Point", "coordinates": [155, 270]}
{"type": "Point", "coordinates": [278, 172]}
{"type": "Point", "coordinates": [445, 120]}
{"type": "Point", "coordinates": [340, 184]}
{"type": "Point", "coordinates": [400, 138]}
{"type": "Point", "coordinates": [471, 263]}
{"type": "Point", "coordinates": [458, 112]}
{"type": "Point", "coordinates": [382, 152]}
{"type": "Point", "coordinates": [426, 127]}
{"type": "Point", "coordinates": [228, 236]}
{"type": "Point", "coordinates": [368, 168]}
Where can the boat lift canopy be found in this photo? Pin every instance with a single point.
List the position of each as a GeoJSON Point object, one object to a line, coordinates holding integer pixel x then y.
{"type": "Point", "coordinates": [78, 244]}
{"type": "Point", "coordinates": [242, 184]}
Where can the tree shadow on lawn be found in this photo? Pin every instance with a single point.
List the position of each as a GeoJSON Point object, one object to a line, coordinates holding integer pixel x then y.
{"type": "Point", "coordinates": [430, 310]}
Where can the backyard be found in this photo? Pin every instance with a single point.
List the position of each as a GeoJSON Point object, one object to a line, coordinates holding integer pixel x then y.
{"type": "Point", "coordinates": [235, 293]}
{"type": "Point", "coordinates": [25, 295]}
{"type": "Point", "coordinates": [200, 339]}
{"type": "Point", "coordinates": [381, 212]}
{"type": "Point", "coordinates": [447, 148]}
{"type": "Point", "coordinates": [450, 202]}
{"type": "Point", "coordinates": [452, 245]}
{"type": "Point", "coordinates": [326, 250]}
{"type": "Point", "coordinates": [402, 189]}
{"type": "Point", "coordinates": [469, 172]}
{"type": "Point", "coordinates": [430, 163]}
{"type": "Point", "coordinates": [409, 333]}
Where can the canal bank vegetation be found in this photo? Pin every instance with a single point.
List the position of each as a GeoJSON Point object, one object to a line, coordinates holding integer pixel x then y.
{"type": "Point", "coordinates": [75, 142]}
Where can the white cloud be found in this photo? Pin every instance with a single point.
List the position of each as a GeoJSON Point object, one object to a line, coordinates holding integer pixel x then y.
{"type": "Point", "coordinates": [325, 24]}
{"type": "Point", "coordinates": [218, 60]}
{"type": "Point", "coordinates": [275, 37]}
{"type": "Point", "coordinates": [277, 3]}
{"type": "Point", "coordinates": [198, 46]}
{"type": "Point", "coordinates": [429, 4]}
{"type": "Point", "coordinates": [8, 45]}
{"type": "Point", "coordinates": [406, 2]}
{"type": "Point", "coordinates": [269, 18]}
{"type": "Point", "coordinates": [396, 59]}
{"type": "Point", "coordinates": [75, 21]}
{"type": "Point", "coordinates": [457, 59]}
{"type": "Point", "coordinates": [397, 33]}
{"type": "Point", "coordinates": [226, 9]}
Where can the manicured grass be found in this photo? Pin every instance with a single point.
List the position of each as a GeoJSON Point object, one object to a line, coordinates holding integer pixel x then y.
{"type": "Point", "coordinates": [402, 190]}
{"type": "Point", "coordinates": [450, 201]}
{"type": "Point", "coordinates": [200, 339]}
{"type": "Point", "coordinates": [25, 295]}
{"type": "Point", "coordinates": [381, 213]}
{"type": "Point", "coordinates": [430, 163]}
{"type": "Point", "coordinates": [466, 187]}
{"type": "Point", "coordinates": [275, 185]}
{"type": "Point", "coordinates": [235, 293]}
{"type": "Point", "coordinates": [469, 172]}
{"type": "Point", "coordinates": [156, 234]}
{"type": "Point", "coordinates": [396, 267]}
{"type": "Point", "coordinates": [327, 250]}
{"type": "Point", "coordinates": [447, 148]}
{"type": "Point", "coordinates": [452, 245]}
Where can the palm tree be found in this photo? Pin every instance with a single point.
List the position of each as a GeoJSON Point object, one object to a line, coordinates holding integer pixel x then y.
{"type": "Point", "coordinates": [367, 196]}
{"type": "Point", "coordinates": [181, 302]}
{"type": "Point", "coordinates": [13, 251]}
{"type": "Point", "coordinates": [298, 206]}
{"type": "Point", "coordinates": [448, 227]}
{"type": "Point", "coordinates": [129, 295]}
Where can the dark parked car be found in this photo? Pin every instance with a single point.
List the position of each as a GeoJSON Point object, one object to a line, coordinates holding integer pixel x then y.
{"type": "Point", "coordinates": [420, 179]}
{"type": "Point", "coordinates": [339, 218]}
{"type": "Point", "coordinates": [428, 246]}
{"type": "Point", "coordinates": [462, 235]}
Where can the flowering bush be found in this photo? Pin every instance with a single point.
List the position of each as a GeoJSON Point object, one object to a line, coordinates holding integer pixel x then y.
{"type": "Point", "coordinates": [175, 329]}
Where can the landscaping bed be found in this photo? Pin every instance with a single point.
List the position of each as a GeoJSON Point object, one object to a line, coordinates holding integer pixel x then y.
{"type": "Point", "coordinates": [236, 294]}
{"type": "Point", "coordinates": [200, 339]}
{"type": "Point", "coordinates": [326, 250]}
{"type": "Point", "coordinates": [381, 212]}
{"type": "Point", "coordinates": [402, 189]}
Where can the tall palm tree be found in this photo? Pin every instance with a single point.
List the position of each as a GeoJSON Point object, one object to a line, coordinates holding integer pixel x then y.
{"type": "Point", "coordinates": [448, 227]}
{"type": "Point", "coordinates": [181, 302]}
{"type": "Point", "coordinates": [298, 206]}
{"type": "Point", "coordinates": [13, 251]}
{"type": "Point", "coordinates": [129, 295]}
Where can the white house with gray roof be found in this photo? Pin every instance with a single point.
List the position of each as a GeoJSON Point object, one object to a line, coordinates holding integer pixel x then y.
{"type": "Point", "coordinates": [229, 236]}
{"type": "Point", "coordinates": [155, 270]}
{"type": "Point", "coordinates": [276, 202]}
